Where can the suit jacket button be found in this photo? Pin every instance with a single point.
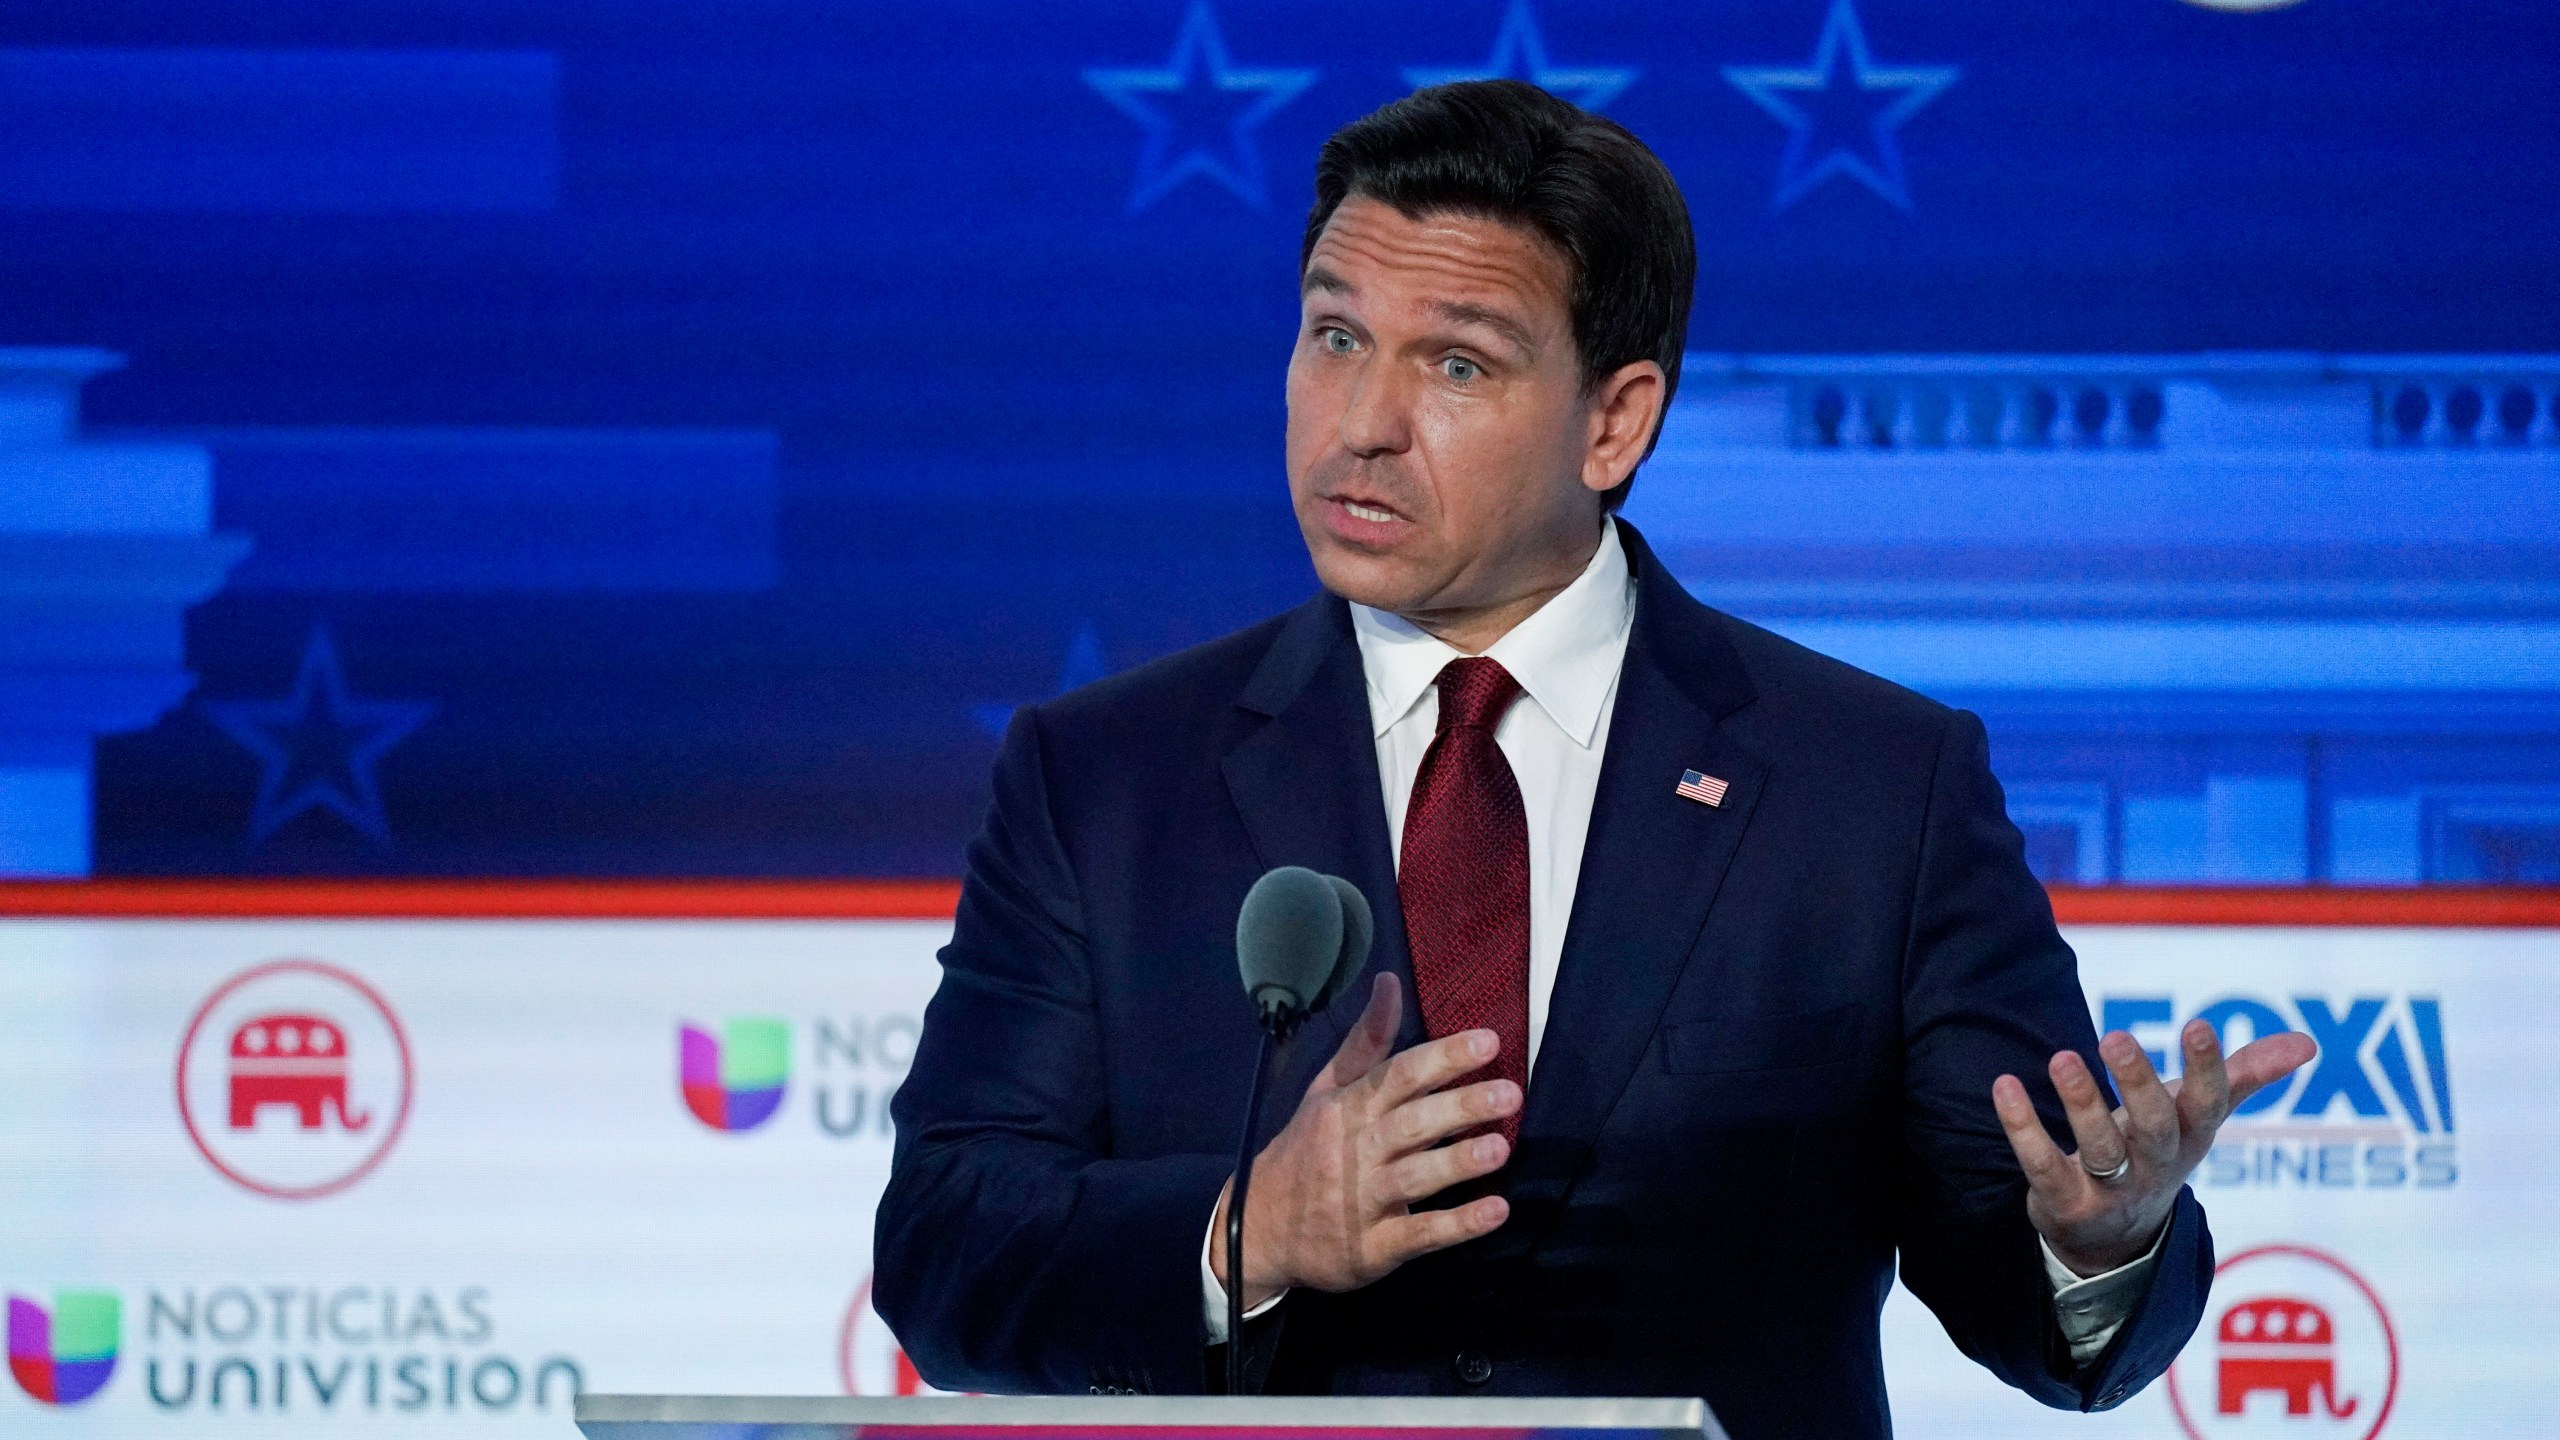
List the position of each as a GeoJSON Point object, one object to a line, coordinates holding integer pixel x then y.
{"type": "Point", "coordinates": [1473, 1368]}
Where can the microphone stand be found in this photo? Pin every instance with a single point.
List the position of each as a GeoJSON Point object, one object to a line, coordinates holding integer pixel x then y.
{"type": "Point", "coordinates": [1277, 1022]}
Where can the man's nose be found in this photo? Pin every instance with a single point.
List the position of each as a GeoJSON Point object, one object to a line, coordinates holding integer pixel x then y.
{"type": "Point", "coordinates": [1378, 419]}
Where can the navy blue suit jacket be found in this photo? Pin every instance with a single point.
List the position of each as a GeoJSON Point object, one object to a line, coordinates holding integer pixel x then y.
{"type": "Point", "coordinates": [1766, 1070]}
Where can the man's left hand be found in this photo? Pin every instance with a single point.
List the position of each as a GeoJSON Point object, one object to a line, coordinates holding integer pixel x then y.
{"type": "Point", "coordinates": [2104, 1206]}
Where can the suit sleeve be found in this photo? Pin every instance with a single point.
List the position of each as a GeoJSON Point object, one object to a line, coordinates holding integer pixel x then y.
{"type": "Point", "coordinates": [1989, 988]}
{"type": "Point", "coordinates": [1013, 1251]}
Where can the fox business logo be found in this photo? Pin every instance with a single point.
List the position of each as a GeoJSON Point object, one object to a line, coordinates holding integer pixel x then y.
{"type": "Point", "coordinates": [2374, 1111]}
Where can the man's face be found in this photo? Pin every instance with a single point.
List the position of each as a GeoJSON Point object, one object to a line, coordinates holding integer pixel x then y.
{"type": "Point", "coordinates": [1440, 442]}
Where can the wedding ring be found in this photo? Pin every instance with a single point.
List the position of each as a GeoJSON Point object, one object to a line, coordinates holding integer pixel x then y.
{"type": "Point", "coordinates": [2107, 1177]}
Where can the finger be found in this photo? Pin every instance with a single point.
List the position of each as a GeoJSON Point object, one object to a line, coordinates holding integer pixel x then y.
{"type": "Point", "coordinates": [1429, 1066]}
{"type": "Point", "coordinates": [1405, 1236]}
{"type": "Point", "coordinates": [2048, 1169]}
{"type": "Point", "coordinates": [1430, 1119]}
{"type": "Point", "coordinates": [2204, 1091]}
{"type": "Point", "coordinates": [2266, 1060]}
{"type": "Point", "coordinates": [2150, 1116]}
{"type": "Point", "coordinates": [1372, 1036]}
{"type": "Point", "coordinates": [2102, 1144]}
{"type": "Point", "coordinates": [1426, 1173]}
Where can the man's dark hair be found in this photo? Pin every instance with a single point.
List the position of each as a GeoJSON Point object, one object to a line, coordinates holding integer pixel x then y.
{"type": "Point", "coordinates": [1507, 151]}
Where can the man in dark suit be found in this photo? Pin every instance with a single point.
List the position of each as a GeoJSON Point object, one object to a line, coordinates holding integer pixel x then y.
{"type": "Point", "coordinates": [1725, 958]}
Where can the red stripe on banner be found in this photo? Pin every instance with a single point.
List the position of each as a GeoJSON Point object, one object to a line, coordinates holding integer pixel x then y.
{"type": "Point", "coordinates": [2427, 908]}
{"type": "Point", "coordinates": [2433, 907]}
{"type": "Point", "coordinates": [487, 899]}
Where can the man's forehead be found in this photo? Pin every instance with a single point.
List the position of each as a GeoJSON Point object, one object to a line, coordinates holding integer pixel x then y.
{"type": "Point", "coordinates": [1371, 245]}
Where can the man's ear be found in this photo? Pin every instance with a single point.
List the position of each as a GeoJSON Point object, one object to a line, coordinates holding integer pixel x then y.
{"type": "Point", "coordinates": [1625, 409]}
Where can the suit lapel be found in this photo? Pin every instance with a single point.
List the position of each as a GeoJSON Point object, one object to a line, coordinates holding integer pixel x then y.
{"type": "Point", "coordinates": [1651, 868]}
{"type": "Point", "coordinates": [1305, 783]}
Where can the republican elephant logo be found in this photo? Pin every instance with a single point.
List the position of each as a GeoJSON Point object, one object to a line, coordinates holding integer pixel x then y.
{"type": "Point", "coordinates": [292, 1060]}
{"type": "Point", "coordinates": [294, 1078]}
{"type": "Point", "coordinates": [869, 1359]}
{"type": "Point", "coordinates": [2279, 1343]}
{"type": "Point", "coordinates": [2299, 1345]}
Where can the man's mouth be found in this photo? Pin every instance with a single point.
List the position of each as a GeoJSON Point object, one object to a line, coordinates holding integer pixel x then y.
{"type": "Point", "coordinates": [1365, 523]}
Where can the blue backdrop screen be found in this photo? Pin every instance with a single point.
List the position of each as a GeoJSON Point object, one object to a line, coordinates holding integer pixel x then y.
{"type": "Point", "coordinates": [658, 438]}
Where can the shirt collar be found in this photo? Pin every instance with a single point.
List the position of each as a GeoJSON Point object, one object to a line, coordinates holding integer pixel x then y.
{"type": "Point", "coordinates": [1565, 655]}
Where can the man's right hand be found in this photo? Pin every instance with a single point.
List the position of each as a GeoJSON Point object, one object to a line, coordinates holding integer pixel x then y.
{"type": "Point", "coordinates": [1332, 1198]}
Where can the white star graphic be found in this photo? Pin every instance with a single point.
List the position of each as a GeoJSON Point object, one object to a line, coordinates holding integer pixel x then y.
{"type": "Point", "coordinates": [1809, 159]}
{"type": "Point", "coordinates": [1520, 53]}
{"type": "Point", "coordinates": [1168, 157]}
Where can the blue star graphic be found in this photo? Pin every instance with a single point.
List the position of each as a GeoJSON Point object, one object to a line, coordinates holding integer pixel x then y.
{"type": "Point", "coordinates": [318, 745]}
{"type": "Point", "coordinates": [1084, 665]}
{"type": "Point", "coordinates": [1823, 140]}
{"type": "Point", "coordinates": [1519, 53]}
{"type": "Point", "coordinates": [1199, 77]}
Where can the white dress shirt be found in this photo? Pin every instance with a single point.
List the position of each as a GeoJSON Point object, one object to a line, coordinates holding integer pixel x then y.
{"type": "Point", "coordinates": [1566, 656]}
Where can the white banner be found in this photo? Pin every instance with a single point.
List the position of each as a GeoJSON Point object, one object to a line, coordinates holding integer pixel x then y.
{"type": "Point", "coordinates": [2384, 1223]}
{"type": "Point", "coordinates": [432, 1177]}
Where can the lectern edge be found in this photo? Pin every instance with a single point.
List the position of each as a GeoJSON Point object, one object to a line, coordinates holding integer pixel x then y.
{"type": "Point", "coordinates": [744, 1417]}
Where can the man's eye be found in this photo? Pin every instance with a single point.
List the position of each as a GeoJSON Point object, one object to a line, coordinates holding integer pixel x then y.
{"type": "Point", "coordinates": [1461, 369]}
{"type": "Point", "coordinates": [1338, 342]}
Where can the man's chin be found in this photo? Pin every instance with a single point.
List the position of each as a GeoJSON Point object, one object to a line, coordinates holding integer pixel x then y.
{"type": "Point", "coordinates": [1380, 582]}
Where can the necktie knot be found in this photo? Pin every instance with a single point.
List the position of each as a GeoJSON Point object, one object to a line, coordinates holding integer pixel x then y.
{"type": "Point", "coordinates": [1474, 693]}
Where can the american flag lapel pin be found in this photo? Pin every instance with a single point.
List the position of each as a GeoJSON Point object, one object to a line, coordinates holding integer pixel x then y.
{"type": "Point", "coordinates": [1706, 789]}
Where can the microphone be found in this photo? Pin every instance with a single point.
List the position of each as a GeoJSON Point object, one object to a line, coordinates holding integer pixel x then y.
{"type": "Point", "coordinates": [1301, 939]}
{"type": "Point", "coordinates": [1358, 930]}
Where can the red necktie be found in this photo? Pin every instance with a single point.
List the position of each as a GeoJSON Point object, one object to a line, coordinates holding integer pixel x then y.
{"type": "Point", "coordinates": [1464, 875]}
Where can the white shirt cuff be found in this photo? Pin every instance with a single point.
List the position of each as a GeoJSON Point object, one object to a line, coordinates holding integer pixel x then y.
{"type": "Point", "coordinates": [2092, 1310]}
{"type": "Point", "coordinates": [1213, 1296]}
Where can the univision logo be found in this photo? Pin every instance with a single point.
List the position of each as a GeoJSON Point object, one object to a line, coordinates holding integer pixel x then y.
{"type": "Point", "coordinates": [737, 1076]}
{"type": "Point", "coordinates": [64, 1356]}
{"type": "Point", "coordinates": [734, 1081]}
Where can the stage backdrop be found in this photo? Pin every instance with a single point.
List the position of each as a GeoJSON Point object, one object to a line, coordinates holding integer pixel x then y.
{"type": "Point", "coordinates": [348, 1176]}
{"type": "Point", "coordinates": [668, 437]}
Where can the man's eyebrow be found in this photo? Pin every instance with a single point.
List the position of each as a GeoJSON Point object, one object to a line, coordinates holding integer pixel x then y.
{"type": "Point", "coordinates": [1319, 278]}
{"type": "Point", "coordinates": [1460, 312]}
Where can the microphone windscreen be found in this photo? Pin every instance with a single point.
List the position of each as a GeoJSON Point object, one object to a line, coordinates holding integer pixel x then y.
{"type": "Point", "coordinates": [1358, 931]}
{"type": "Point", "coordinates": [1288, 937]}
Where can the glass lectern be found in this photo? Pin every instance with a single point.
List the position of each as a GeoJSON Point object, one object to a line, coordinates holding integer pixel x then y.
{"type": "Point", "coordinates": [1141, 1417]}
